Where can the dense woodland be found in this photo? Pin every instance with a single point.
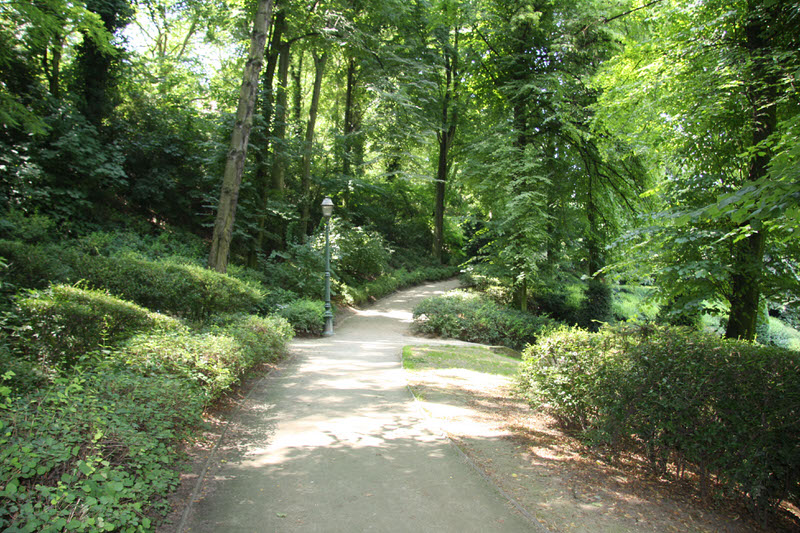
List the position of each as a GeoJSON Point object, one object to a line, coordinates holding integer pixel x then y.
{"type": "Point", "coordinates": [652, 141]}
{"type": "Point", "coordinates": [163, 162]}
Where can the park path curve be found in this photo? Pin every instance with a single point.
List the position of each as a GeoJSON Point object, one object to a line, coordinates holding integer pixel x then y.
{"type": "Point", "coordinates": [332, 441]}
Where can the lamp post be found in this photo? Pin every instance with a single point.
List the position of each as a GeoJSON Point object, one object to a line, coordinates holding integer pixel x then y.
{"type": "Point", "coordinates": [327, 211]}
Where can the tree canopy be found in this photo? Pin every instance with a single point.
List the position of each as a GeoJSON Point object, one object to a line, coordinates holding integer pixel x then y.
{"type": "Point", "coordinates": [654, 142]}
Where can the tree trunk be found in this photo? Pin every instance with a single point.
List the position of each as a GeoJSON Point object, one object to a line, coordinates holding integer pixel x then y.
{"type": "Point", "coordinates": [297, 93]}
{"type": "Point", "coordinates": [279, 158]}
{"type": "Point", "coordinates": [445, 137]}
{"type": "Point", "coordinates": [350, 122]}
{"type": "Point", "coordinates": [268, 107]}
{"type": "Point", "coordinates": [54, 76]}
{"type": "Point", "coordinates": [234, 166]}
{"type": "Point", "coordinates": [748, 258]}
{"type": "Point", "coordinates": [319, 70]}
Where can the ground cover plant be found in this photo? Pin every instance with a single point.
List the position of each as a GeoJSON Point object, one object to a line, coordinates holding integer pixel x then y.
{"type": "Point", "coordinates": [726, 411]}
{"type": "Point", "coordinates": [98, 393]}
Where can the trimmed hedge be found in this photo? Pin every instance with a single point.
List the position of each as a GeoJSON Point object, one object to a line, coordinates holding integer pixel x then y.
{"type": "Point", "coordinates": [181, 289]}
{"type": "Point", "coordinates": [473, 317]}
{"type": "Point", "coordinates": [730, 410]}
{"type": "Point", "coordinates": [59, 324]}
{"type": "Point", "coordinates": [213, 360]}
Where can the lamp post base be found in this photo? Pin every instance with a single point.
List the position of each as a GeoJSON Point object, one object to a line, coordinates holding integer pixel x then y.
{"type": "Point", "coordinates": [328, 331]}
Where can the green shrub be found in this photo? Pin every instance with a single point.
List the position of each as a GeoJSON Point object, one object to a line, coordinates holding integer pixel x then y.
{"type": "Point", "coordinates": [730, 409]}
{"type": "Point", "coordinates": [634, 303]}
{"type": "Point", "coordinates": [356, 254]}
{"type": "Point", "coordinates": [596, 306]}
{"type": "Point", "coordinates": [17, 225]}
{"type": "Point", "coordinates": [169, 286]}
{"type": "Point", "coordinates": [36, 266]}
{"type": "Point", "coordinates": [561, 301]}
{"type": "Point", "coordinates": [213, 360]}
{"type": "Point", "coordinates": [474, 318]}
{"type": "Point", "coordinates": [306, 316]}
{"type": "Point", "coordinates": [95, 451]}
{"type": "Point", "coordinates": [58, 325]}
{"type": "Point", "coordinates": [299, 269]}
{"type": "Point", "coordinates": [161, 245]}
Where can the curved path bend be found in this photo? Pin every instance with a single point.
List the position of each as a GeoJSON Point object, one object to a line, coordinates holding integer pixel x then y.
{"type": "Point", "coordinates": [333, 442]}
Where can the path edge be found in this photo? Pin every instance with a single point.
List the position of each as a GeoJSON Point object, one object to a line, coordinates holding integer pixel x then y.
{"type": "Point", "coordinates": [535, 522]}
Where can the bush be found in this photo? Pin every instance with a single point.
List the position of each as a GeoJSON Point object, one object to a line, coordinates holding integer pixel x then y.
{"type": "Point", "coordinates": [35, 267]}
{"type": "Point", "coordinates": [168, 286]}
{"type": "Point", "coordinates": [634, 303]}
{"type": "Point", "coordinates": [212, 360]}
{"type": "Point", "coordinates": [474, 318]}
{"type": "Point", "coordinates": [58, 325]}
{"type": "Point", "coordinates": [561, 301]}
{"type": "Point", "coordinates": [729, 409]}
{"type": "Point", "coordinates": [596, 306]}
{"type": "Point", "coordinates": [162, 245]}
{"type": "Point", "coordinates": [300, 269]}
{"type": "Point", "coordinates": [356, 254]}
{"type": "Point", "coordinates": [306, 316]}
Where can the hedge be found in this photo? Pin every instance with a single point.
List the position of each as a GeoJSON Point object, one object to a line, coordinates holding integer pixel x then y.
{"type": "Point", "coordinates": [729, 410]}
{"type": "Point", "coordinates": [59, 324]}
{"type": "Point", "coordinates": [180, 289]}
{"type": "Point", "coordinates": [473, 317]}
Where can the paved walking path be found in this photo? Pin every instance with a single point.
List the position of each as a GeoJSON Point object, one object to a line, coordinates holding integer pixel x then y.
{"type": "Point", "coordinates": [334, 442]}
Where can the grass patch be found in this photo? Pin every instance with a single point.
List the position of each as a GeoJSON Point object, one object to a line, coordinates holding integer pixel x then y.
{"type": "Point", "coordinates": [483, 360]}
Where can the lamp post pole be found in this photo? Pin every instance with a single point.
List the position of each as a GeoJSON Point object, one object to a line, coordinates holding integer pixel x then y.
{"type": "Point", "coordinates": [327, 211]}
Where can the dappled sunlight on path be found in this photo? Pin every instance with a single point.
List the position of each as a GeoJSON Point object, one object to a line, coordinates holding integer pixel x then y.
{"type": "Point", "coordinates": [334, 442]}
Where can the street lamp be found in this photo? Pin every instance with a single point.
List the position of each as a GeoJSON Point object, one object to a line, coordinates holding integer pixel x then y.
{"type": "Point", "coordinates": [327, 211]}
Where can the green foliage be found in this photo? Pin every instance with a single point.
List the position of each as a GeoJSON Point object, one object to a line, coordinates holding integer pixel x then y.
{"type": "Point", "coordinates": [472, 317]}
{"type": "Point", "coordinates": [356, 254]}
{"type": "Point", "coordinates": [300, 269]}
{"type": "Point", "coordinates": [634, 303]}
{"type": "Point", "coordinates": [728, 409]}
{"type": "Point", "coordinates": [212, 360]}
{"type": "Point", "coordinates": [162, 245]}
{"type": "Point", "coordinates": [596, 306]}
{"type": "Point", "coordinates": [306, 316]}
{"type": "Point", "coordinates": [167, 286]}
{"type": "Point", "coordinates": [95, 451]}
{"type": "Point", "coordinates": [28, 228]}
{"type": "Point", "coordinates": [58, 325]}
{"type": "Point", "coordinates": [562, 301]}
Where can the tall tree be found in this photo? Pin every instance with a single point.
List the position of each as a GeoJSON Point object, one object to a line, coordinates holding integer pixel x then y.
{"type": "Point", "coordinates": [320, 59]}
{"type": "Point", "coordinates": [96, 63]}
{"type": "Point", "coordinates": [445, 134]}
{"type": "Point", "coordinates": [234, 166]}
{"type": "Point", "coordinates": [713, 93]}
